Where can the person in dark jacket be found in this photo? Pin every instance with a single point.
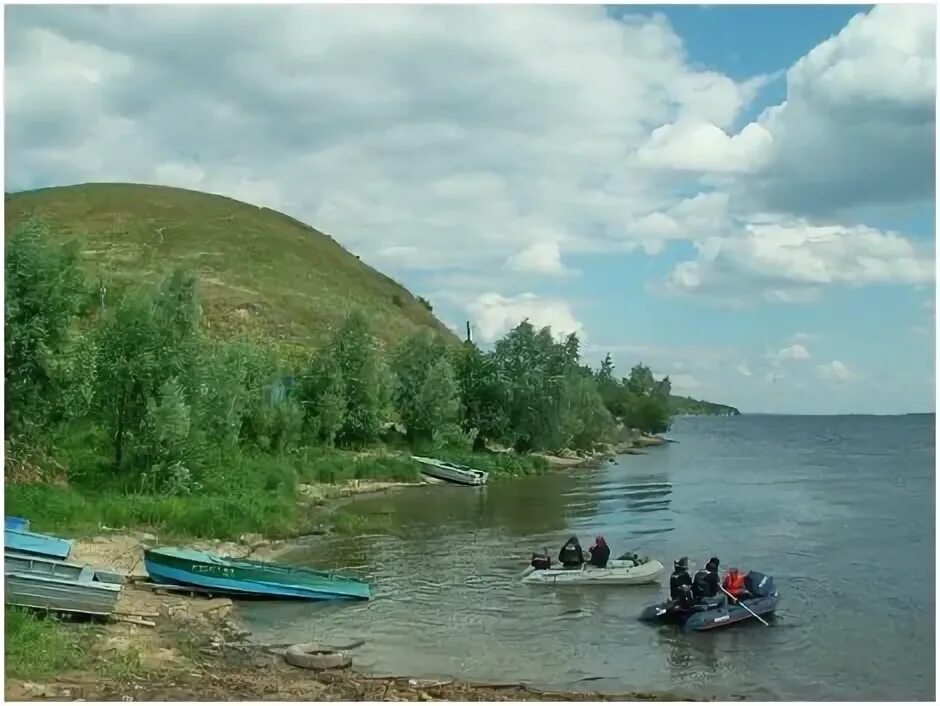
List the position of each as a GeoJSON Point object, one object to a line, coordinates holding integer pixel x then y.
{"type": "Point", "coordinates": [706, 583]}
{"type": "Point", "coordinates": [571, 556]}
{"type": "Point", "coordinates": [680, 577]}
{"type": "Point", "coordinates": [600, 553]}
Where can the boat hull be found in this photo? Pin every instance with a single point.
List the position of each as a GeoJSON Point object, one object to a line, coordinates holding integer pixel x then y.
{"type": "Point", "coordinates": [44, 566]}
{"type": "Point", "coordinates": [60, 595]}
{"type": "Point", "coordinates": [617, 573]}
{"type": "Point", "coordinates": [15, 523]}
{"type": "Point", "coordinates": [24, 542]}
{"type": "Point", "coordinates": [451, 472]}
{"type": "Point", "coordinates": [723, 615]}
{"type": "Point", "coordinates": [250, 579]}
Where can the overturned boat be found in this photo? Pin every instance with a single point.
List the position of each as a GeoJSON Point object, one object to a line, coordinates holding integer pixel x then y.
{"type": "Point", "coordinates": [626, 571]}
{"type": "Point", "coordinates": [720, 612]}
{"type": "Point", "coordinates": [451, 472]}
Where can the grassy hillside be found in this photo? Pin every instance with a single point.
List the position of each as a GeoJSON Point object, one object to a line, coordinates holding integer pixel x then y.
{"type": "Point", "coordinates": [261, 272]}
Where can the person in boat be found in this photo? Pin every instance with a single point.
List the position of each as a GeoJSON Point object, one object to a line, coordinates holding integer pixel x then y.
{"type": "Point", "coordinates": [599, 552]}
{"type": "Point", "coordinates": [680, 577]}
{"type": "Point", "coordinates": [705, 583]}
{"type": "Point", "coordinates": [684, 602]}
{"type": "Point", "coordinates": [733, 585]}
{"type": "Point", "coordinates": [571, 556]}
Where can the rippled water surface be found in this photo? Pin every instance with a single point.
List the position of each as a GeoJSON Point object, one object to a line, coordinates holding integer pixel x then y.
{"type": "Point", "coordinates": [839, 509]}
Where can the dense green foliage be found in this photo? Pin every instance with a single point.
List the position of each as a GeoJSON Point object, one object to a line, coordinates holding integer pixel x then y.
{"type": "Point", "coordinates": [156, 423]}
{"type": "Point", "coordinates": [691, 406]}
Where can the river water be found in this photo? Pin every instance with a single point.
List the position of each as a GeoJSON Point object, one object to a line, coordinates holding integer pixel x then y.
{"type": "Point", "coordinates": [840, 510]}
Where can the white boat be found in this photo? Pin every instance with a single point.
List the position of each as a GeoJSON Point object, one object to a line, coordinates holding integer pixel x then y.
{"type": "Point", "coordinates": [618, 572]}
{"type": "Point", "coordinates": [453, 472]}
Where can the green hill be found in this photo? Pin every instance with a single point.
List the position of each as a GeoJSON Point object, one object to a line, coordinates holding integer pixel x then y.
{"type": "Point", "coordinates": [261, 272]}
{"type": "Point", "coordinates": [691, 406]}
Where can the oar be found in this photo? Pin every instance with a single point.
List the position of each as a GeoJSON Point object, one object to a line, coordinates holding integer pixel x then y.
{"type": "Point", "coordinates": [744, 606]}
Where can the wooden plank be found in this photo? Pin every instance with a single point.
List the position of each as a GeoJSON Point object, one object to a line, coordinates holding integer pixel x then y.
{"type": "Point", "coordinates": [179, 589]}
{"type": "Point", "coordinates": [135, 621]}
{"type": "Point", "coordinates": [138, 614]}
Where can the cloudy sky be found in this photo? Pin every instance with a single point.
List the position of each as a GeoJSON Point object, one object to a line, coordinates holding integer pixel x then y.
{"type": "Point", "coordinates": [741, 197]}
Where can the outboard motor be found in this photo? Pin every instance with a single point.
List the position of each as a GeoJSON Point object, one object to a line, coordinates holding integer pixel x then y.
{"type": "Point", "coordinates": [541, 562]}
{"type": "Point", "coordinates": [759, 585]}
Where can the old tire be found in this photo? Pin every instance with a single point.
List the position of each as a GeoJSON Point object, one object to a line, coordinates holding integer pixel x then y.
{"type": "Point", "coordinates": [311, 655]}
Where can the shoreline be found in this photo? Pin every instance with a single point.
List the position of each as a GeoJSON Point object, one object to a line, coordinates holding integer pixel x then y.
{"type": "Point", "coordinates": [186, 647]}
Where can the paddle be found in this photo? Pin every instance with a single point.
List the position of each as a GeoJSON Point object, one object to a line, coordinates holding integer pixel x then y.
{"type": "Point", "coordinates": [744, 606]}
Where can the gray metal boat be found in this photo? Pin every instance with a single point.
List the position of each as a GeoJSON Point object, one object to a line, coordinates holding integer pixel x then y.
{"type": "Point", "coordinates": [44, 566]}
{"type": "Point", "coordinates": [60, 586]}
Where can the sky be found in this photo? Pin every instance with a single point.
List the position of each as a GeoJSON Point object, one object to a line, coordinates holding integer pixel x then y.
{"type": "Point", "coordinates": [741, 197]}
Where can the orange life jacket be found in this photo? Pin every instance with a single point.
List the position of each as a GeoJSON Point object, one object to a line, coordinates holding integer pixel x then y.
{"type": "Point", "coordinates": [733, 583]}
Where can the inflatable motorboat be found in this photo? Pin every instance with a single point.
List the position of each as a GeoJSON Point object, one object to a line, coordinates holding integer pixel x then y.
{"type": "Point", "coordinates": [720, 611]}
{"type": "Point", "coordinates": [628, 570]}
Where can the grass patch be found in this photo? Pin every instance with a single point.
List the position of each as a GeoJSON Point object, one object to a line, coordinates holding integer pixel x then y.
{"type": "Point", "coordinates": [37, 646]}
{"type": "Point", "coordinates": [120, 666]}
{"type": "Point", "coordinates": [53, 508]}
{"type": "Point", "coordinates": [324, 465]}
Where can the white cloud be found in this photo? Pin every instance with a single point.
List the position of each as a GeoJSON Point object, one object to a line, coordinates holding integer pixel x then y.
{"type": "Point", "coordinates": [413, 141]}
{"type": "Point", "coordinates": [703, 147]}
{"type": "Point", "coordinates": [494, 315]}
{"type": "Point", "coordinates": [796, 351]}
{"type": "Point", "coordinates": [836, 371]}
{"type": "Point", "coordinates": [858, 124]}
{"type": "Point", "coordinates": [743, 368]}
{"type": "Point", "coordinates": [789, 261]}
{"type": "Point", "coordinates": [542, 258]}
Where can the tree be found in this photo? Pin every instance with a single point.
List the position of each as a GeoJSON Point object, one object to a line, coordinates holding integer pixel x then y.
{"type": "Point", "coordinates": [483, 394]}
{"type": "Point", "coordinates": [150, 338]}
{"type": "Point", "coordinates": [641, 381]}
{"type": "Point", "coordinates": [537, 370]}
{"type": "Point", "coordinates": [606, 372]}
{"type": "Point", "coordinates": [324, 398]}
{"type": "Point", "coordinates": [426, 389]}
{"type": "Point", "coordinates": [44, 293]}
{"type": "Point", "coordinates": [163, 443]}
{"type": "Point", "coordinates": [348, 378]}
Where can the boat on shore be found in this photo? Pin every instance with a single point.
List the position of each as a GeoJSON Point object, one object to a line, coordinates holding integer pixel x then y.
{"type": "Point", "coordinates": [244, 577]}
{"type": "Point", "coordinates": [720, 612]}
{"type": "Point", "coordinates": [83, 594]}
{"type": "Point", "coordinates": [618, 572]}
{"type": "Point", "coordinates": [451, 472]}
{"type": "Point", "coordinates": [23, 541]}
{"type": "Point", "coordinates": [52, 568]}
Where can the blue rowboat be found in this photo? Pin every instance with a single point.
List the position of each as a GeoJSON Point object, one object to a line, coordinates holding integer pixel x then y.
{"type": "Point", "coordinates": [15, 523]}
{"type": "Point", "coordinates": [241, 577]}
{"type": "Point", "coordinates": [24, 542]}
